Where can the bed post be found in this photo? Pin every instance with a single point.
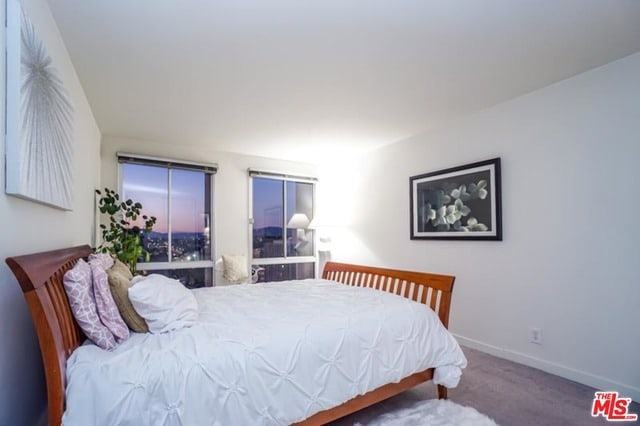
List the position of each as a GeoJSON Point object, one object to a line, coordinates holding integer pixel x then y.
{"type": "Point", "coordinates": [442, 392]}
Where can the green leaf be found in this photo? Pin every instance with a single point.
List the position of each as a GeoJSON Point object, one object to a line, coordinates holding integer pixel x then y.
{"type": "Point", "coordinates": [121, 238]}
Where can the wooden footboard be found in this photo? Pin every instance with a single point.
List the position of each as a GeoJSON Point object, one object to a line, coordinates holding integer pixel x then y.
{"type": "Point", "coordinates": [40, 277]}
{"type": "Point", "coordinates": [430, 289]}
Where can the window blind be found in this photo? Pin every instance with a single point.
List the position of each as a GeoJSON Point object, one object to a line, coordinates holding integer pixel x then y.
{"type": "Point", "coordinates": [277, 175]}
{"type": "Point", "coordinates": [166, 162]}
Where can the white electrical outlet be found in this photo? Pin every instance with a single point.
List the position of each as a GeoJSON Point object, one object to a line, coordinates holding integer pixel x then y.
{"type": "Point", "coordinates": [535, 335]}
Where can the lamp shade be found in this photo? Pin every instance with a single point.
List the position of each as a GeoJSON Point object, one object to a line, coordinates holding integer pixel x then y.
{"type": "Point", "coordinates": [298, 221]}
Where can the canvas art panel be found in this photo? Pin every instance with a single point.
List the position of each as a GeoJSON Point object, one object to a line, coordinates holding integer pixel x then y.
{"type": "Point", "coordinates": [39, 118]}
{"type": "Point", "coordinates": [462, 202]}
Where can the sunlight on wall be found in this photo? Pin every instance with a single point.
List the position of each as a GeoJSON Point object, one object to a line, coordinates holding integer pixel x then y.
{"type": "Point", "coordinates": [339, 182]}
{"type": "Point", "coordinates": [334, 194]}
{"type": "Point", "coordinates": [347, 246]}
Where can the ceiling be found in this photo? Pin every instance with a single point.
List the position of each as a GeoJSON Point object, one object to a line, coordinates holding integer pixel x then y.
{"type": "Point", "coordinates": [306, 80]}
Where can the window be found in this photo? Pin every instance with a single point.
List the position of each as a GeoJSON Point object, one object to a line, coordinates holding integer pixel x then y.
{"type": "Point", "coordinates": [281, 210]}
{"type": "Point", "coordinates": [180, 196]}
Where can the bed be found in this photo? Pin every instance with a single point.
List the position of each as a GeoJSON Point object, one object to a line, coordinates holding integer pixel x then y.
{"type": "Point", "coordinates": [63, 345]}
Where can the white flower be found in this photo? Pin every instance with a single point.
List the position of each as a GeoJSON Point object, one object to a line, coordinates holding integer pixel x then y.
{"type": "Point", "coordinates": [461, 193]}
{"type": "Point", "coordinates": [440, 218]}
{"type": "Point", "coordinates": [474, 225]}
{"type": "Point", "coordinates": [427, 213]}
{"type": "Point", "coordinates": [478, 190]}
{"type": "Point", "coordinates": [464, 210]}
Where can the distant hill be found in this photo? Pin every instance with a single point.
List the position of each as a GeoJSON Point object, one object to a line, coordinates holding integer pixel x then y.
{"type": "Point", "coordinates": [270, 232]}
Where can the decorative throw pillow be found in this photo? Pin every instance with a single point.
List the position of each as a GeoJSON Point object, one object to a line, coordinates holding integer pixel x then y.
{"type": "Point", "coordinates": [119, 285]}
{"type": "Point", "coordinates": [103, 259]}
{"type": "Point", "coordinates": [119, 266]}
{"type": "Point", "coordinates": [235, 267]}
{"type": "Point", "coordinates": [107, 309]}
{"type": "Point", "coordinates": [79, 288]}
{"type": "Point", "coordinates": [164, 303]}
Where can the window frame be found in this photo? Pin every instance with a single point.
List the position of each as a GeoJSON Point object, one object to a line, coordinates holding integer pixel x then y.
{"type": "Point", "coordinates": [169, 164]}
{"type": "Point", "coordinates": [284, 178]}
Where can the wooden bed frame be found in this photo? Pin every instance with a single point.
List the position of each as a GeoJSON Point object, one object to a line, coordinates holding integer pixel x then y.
{"type": "Point", "coordinates": [40, 276]}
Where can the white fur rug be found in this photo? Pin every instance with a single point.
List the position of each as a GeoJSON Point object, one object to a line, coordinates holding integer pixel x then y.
{"type": "Point", "coordinates": [434, 412]}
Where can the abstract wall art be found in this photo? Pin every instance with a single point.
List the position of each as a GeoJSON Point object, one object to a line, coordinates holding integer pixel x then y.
{"type": "Point", "coordinates": [39, 118]}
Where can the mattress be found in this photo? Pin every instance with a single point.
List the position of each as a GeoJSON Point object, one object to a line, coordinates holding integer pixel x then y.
{"type": "Point", "coordinates": [261, 354]}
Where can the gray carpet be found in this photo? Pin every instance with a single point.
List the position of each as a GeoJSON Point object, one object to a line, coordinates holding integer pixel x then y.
{"type": "Point", "coordinates": [511, 394]}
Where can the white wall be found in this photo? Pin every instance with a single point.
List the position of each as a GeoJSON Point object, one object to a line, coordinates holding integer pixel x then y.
{"type": "Point", "coordinates": [569, 260]}
{"type": "Point", "coordinates": [29, 227]}
{"type": "Point", "coordinates": [231, 203]}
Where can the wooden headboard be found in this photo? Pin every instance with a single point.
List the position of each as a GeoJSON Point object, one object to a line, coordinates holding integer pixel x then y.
{"type": "Point", "coordinates": [40, 277]}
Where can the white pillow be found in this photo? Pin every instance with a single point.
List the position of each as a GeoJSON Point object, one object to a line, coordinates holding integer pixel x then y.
{"type": "Point", "coordinates": [163, 302]}
{"type": "Point", "coordinates": [235, 267]}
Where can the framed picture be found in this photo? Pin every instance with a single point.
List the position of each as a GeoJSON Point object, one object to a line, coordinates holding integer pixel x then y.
{"type": "Point", "coordinates": [39, 118]}
{"type": "Point", "coordinates": [460, 203]}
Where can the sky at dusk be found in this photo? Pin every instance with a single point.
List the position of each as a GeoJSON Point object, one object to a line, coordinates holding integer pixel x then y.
{"type": "Point", "coordinates": [148, 185]}
{"type": "Point", "coordinates": [267, 201]}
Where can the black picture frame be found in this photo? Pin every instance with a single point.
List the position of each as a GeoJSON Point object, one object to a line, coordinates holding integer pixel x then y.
{"type": "Point", "coordinates": [459, 203]}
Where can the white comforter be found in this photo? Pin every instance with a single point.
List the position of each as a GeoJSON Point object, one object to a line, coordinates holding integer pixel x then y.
{"type": "Point", "coordinates": [267, 354]}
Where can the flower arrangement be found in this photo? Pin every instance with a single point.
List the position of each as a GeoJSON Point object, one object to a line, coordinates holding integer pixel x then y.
{"type": "Point", "coordinates": [446, 208]}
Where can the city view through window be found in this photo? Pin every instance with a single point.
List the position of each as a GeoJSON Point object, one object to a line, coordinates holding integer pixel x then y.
{"type": "Point", "coordinates": [180, 243]}
{"type": "Point", "coordinates": [276, 236]}
{"type": "Point", "coordinates": [181, 201]}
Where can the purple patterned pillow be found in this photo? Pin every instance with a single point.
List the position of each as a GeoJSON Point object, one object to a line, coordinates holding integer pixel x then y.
{"type": "Point", "coordinates": [107, 309]}
{"type": "Point", "coordinates": [104, 260]}
{"type": "Point", "coordinates": [78, 285]}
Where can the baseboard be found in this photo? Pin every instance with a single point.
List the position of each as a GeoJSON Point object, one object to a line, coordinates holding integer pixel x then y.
{"type": "Point", "coordinates": [597, 382]}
